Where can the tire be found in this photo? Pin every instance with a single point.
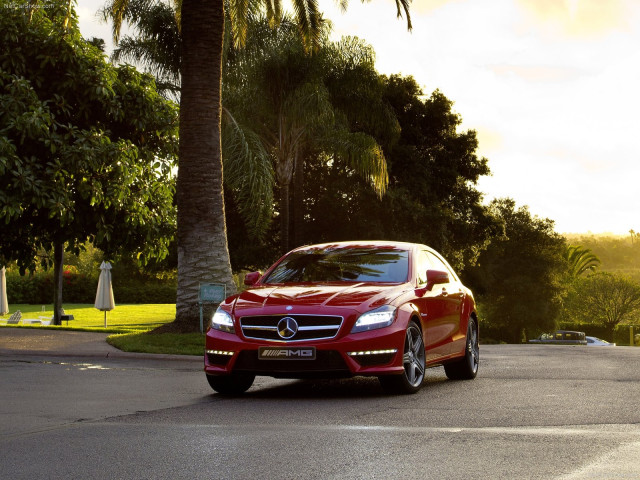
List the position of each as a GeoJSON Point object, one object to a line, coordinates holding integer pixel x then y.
{"type": "Point", "coordinates": [413, 361]}
{"type": "Point", "coordinates": [467, 367]}
{"type": "Point", "coordinates": [234, 384]}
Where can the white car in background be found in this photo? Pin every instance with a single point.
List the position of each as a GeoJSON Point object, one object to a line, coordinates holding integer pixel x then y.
{"type": "Point", "coordinates": [598, 342]}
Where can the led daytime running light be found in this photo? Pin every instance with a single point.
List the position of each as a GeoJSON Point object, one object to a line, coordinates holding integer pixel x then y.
{"type": "Point", "coordinates": [219, 352]}
{"type": "Point", "coordinates": [372, 352]}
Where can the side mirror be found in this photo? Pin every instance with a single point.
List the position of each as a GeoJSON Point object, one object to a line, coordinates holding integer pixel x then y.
{"type": "Point", "coordinates": [252, 278]}
{"type": "Point", "coordinates": [436, 277]}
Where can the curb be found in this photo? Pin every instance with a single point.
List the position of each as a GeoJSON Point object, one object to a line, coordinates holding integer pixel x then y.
{"type": "Point", "coordinates": [117, 355]}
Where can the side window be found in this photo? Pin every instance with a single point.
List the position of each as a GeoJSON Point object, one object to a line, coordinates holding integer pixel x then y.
{"type": "Point", "coordinates": [423, 265]}
{"type": "Point", "coordinates": [440, 264]}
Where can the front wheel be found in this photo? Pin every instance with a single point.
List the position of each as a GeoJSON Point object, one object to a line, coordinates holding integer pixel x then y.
{"type": "Point", "coordinates": [234, 384]}
{"type": "Point", "coordinates": [467, 367]}
{"type": "Point", "coordinates": [413, 361]}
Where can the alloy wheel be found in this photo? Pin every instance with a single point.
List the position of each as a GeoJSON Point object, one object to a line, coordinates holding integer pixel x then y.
{"type": "Point", "coordinates": [414, 356]}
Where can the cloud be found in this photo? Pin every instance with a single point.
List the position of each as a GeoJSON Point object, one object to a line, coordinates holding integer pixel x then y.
{"type": "Point", "coordinates": [538, 73]}
{"type": "Point", "coordinates": [426, 7]}
{"type": "Point", "coordinates": [489, 140]}
{"type": "Point", "coordinates": [580, 18]}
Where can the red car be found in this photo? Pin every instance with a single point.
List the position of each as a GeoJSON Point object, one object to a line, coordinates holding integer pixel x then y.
{"type": "Point", "coordinates": [384, 309]}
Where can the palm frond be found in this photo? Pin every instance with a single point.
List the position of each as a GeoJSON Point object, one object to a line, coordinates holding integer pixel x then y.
{"type": "Point", "coordinates": [146, 52]}
{"type": "Point", "coordinates": [580, 260]}
{"type": "Point", "coordinates": [118, 8]}
{"type": "Point", "coordinates": [309, 104]}
{"type": "Point", "coordinates": [154, 42]}
{"type": "Point", "coordinates": [362, 153]}
{"type": "Point", "coordinates": [403, 5]}
{"type": "Point", "coordinates": [248, 173]}
{"type": "Point", "coordinates": [238, 11]}
{"type": "Point", "coordinates": [177, 7]}
{"type": "Point", "coordinates": [309, 22]}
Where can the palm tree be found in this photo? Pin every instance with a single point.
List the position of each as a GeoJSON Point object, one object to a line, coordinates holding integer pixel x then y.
{"type": "Point", "coordinates": [580, 260]}
{"type": "Point", "coordinates": [155, 44]}
{"type": "Point", "coordinates": [304, 110]}
{"type": "Point", "coordinates": [203, 254]}
{"type": "Point", "coordinates": [633, 234]}
{"type": "Point", "coordinates": [282, 93]}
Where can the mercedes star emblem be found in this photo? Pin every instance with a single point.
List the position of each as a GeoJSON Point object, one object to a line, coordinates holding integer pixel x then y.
{"type": "Point", "coordinates": [287, 327]}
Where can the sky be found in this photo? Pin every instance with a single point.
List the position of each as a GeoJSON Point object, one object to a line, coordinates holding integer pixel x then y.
{"type": "Point", "coordinates": [550, 86]}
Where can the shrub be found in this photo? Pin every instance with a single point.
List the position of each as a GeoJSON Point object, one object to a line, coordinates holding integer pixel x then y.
{"type": "Point", "coordinates": [81, 288]}
{"type": "Point", "coordinates": [620, 334]}
{"type": "Point", "coordinates": [147, 292]}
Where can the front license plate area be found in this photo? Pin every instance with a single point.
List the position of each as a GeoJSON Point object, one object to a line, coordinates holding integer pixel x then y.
{"type": "Point", "coordinates": [287, 353]}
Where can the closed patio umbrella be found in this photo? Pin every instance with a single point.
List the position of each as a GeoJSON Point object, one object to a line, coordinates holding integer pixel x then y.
{"type": "Point", "coordinates": [4, 304]}
{"type": "Point", "coordinates": [104, 295]}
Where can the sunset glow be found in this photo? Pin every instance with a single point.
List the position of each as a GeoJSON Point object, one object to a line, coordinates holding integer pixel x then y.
{"type": "Point", "coordinates": [551, 87]}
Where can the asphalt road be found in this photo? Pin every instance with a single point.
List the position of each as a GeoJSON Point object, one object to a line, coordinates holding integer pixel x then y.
{"type": "Point", "coordinates": [533, 412]}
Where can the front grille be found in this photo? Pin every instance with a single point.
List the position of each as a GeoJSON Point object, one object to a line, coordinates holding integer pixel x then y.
{"type": "Point", "coordinates": [327, 364]}
{"type": "Point", "coordinates": [310, 327]}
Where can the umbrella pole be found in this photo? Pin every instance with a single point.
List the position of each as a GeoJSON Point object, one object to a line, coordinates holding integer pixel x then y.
{"type": "Point", "coordinates": [105, 319]}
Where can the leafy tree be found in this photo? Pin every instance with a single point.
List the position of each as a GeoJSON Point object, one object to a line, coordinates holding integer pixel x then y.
{"type": "Point", "coordinates": [605, 299]}
{"type": "Point", "coordinates": [202, 245]}
{"type": "Point", "coordinates": [438, 167]}
{"type": "Point", "coordinates": [580, 260]}
{"type": "Point", "coordinates": [433, 169]}
{"type": "Point", "coordinates": [86, 149]}
{"type": "Point", "coordinates": [519, 275]}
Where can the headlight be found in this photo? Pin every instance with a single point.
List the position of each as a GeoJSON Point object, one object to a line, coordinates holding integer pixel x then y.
{"type": "Point", "coordinates": [378, 318]}
{"type": "Point", "coordinates": [222, 321]}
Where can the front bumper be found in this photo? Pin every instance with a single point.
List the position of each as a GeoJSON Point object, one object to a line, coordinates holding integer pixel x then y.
{"type": "Point", "coordinates": [375, 352]}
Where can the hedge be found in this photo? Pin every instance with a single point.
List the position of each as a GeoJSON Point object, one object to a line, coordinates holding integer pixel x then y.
{"type": "Point", "coordinates": [620, 334]}
{"type": "Point", "coordinates": [80, 288]}
{"type": "Point", "coordinates": [491, 334]}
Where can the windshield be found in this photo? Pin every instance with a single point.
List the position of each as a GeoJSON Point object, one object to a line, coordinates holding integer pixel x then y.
{"type": "Point", "coordinates": [335, 263]}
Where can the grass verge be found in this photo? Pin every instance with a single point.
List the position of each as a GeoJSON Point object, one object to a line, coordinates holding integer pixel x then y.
{"type": "Point", "coordinates": [130, 325]}
{"type": "Point", "coordinates": [166, 343]}
{"type": "Point", "coordinates": [76, 329]}
{"type": "Point", "coordinates": [123, 317]}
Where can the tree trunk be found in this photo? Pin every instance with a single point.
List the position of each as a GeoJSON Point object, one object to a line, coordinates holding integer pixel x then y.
{"type": "Point", "coordinates": [611, 332]}
{"type": "Point", "coordinates": [284, 218]}
{"type": "Point", "coordinates": [203, 254]}
{"type": "Point", "coordinates": [298, 200]}
{"type": "Point", "coordinates": [58, 266]}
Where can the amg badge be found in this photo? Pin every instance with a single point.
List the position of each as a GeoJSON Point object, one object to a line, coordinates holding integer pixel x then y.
{"type": "Point", "coordinates": [275, 353]}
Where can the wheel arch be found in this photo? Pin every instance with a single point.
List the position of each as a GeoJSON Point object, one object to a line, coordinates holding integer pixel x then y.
{"type": "Point", "coordinates": [474, 316]}
{"type": "Point", "coordinates": [414, 314]}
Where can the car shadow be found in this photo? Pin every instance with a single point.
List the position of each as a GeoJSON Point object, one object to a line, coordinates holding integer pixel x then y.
{"type": "Point", "coordinates": [356, 387]}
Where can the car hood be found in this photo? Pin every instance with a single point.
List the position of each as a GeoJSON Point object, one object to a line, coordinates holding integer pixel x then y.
{"type": "Point", "coordinates": [358, 296]}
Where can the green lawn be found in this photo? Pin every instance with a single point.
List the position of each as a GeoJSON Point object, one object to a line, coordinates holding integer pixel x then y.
{"type": "Point", "coordinates": [123, 317]}
{"type": "Point", "coordinates": [129, 323]}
